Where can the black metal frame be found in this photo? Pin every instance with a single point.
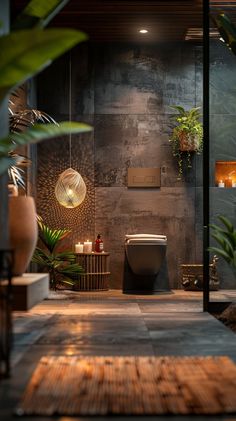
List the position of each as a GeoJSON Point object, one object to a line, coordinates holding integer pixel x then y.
{"type": "Point", "coordinates": [6, 259]}
{"type": "Point", "coordinates": [206, 153]}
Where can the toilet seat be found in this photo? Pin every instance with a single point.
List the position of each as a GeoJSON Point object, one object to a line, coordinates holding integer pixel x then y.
{"type": "Point", "coordinates": [146, 239]}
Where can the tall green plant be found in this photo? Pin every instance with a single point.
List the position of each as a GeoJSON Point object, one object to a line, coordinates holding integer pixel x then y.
{"type": "Point", "coordinates": [61, 265]}
{"type": "Point", "coordinates": [24, 53]}
{"type": "Point", "coordinates": [225, 236]}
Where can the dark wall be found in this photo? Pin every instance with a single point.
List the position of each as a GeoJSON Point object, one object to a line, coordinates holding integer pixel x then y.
{"type": "Point", "coordinates": [222, 139]}
{"type": "Point", "coordinates": [125, 92]}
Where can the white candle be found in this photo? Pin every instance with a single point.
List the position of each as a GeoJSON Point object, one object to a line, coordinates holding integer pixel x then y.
{"type": "Point", "coordinates": [88, 246]}
{"type": "Point", "coordinates": [221, 183]}
{"type": "Point", "coordinates": [234, 184]}
{"type": "Point", "coordinates": [79, 248]}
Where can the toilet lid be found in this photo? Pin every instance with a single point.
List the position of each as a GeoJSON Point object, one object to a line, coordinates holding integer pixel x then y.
{"type": "Point", "coordinates": [146, 239]}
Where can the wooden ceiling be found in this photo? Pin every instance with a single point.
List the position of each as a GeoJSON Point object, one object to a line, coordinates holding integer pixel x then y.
{"type": "Point", "coordinates": [120, 20]}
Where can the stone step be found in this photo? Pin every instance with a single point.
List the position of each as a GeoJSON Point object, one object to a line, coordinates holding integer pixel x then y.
{"type": "Point", "coordinates": [29, 290]}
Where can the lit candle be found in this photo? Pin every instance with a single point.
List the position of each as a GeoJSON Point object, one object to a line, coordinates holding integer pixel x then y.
{"type": "Point", "coordinates": [233, 184]}
{"type": "Point", "coordinates": [221, 183]}
{"type": "Point", "coordinates": [88, 246]}
{"type": "Point", "coordinates": [79, 248]}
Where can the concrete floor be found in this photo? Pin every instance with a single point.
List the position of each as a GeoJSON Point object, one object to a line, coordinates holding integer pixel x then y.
{"type": "Point", "coordinates": [110, 323]}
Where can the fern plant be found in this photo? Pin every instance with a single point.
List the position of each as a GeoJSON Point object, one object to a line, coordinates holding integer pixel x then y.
{"type": "Point", "coordinates": [61, 265]}
{"type": "Point", "coordinates": [225, 236]}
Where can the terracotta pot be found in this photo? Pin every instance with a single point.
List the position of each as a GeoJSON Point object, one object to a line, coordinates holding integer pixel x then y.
{"type": "Point", "coordinates": [187, 142]}
{"type": "Point", "coordinates": [23, 231]}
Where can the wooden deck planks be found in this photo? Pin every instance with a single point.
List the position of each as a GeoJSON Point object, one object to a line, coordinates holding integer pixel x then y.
{"type": "Point", "coordinates": [130, 385]}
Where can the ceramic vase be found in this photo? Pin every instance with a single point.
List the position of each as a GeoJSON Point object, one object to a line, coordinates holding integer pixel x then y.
{"type": "Point", "coordinates": [23, 231]}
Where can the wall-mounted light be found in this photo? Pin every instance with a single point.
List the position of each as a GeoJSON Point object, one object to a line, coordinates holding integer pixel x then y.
{"type": "Point", "coordinates": [143, 31]}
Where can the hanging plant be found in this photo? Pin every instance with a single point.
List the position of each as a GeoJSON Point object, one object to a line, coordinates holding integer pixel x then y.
{"type": "Point", "coordinates": [186, 137]}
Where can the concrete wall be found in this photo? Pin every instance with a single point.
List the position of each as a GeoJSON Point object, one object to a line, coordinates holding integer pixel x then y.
{"type": "Point", "coordinates": [125, 92]}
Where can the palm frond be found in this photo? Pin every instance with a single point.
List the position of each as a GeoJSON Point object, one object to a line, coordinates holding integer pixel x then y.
{"type": "Point", "coordinates": [50, 237]}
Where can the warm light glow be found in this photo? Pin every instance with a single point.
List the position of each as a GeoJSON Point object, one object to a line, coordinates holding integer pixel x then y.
{"type": "Point", "coordinates": [225, 174]}
{"type": "Point", "coordinates": [143, 31]}
{"type": "Point", "coordinates": [70, 189]}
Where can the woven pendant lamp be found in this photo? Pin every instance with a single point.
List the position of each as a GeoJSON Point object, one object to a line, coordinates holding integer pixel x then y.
{"type": "Point", "coordinates": [70, 189]}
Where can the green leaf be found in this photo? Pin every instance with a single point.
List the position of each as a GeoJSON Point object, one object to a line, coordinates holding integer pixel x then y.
{"type": "Point", "coordinates": [41, 258]}
{"type": "Point", "coordinates": [38, 13]}
{"type": "Point", "coordinates": [226, 222]}
{"type": "Point", "coordinates": [221, 253]}
{"type": "Point", "coordinates": [68, 256]}
{"type": "Point", "coordinates": [50, 237]}
{"type": "Point", "coordinates": [40, 132]}
{"type": "Point", "coordinates": [224, 243]}
{"type": "Point", "coordinates": [25, 53]}
{"type": "Point", "coordinates": [227, 30]}
{"type": "Point", "coordinates": [180, 109]}
{"type": "Point", "coordinates": [36, 134]}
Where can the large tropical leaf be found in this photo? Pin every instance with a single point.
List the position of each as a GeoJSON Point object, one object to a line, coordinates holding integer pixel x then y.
{"type": "Point", "coordinates": [38, 13]}
{"type": "Point", "coordinates": [25, 53]}
{"type": "Point", "coordinates": [227, 30]}
{"type": "Point", "coordinates": [40, 132]}
{"type": "Point", "coordinates": [35, 134]}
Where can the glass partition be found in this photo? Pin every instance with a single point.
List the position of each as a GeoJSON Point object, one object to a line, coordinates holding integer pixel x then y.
{"type": "Point", "coordinates": [222, 157]}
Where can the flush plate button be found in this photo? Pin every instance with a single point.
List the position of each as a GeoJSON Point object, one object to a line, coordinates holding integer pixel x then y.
{"type": "Point", "coordinates": [144, 177]}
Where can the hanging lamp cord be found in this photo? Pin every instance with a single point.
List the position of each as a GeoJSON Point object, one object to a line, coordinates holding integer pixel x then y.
{"type": "Point", "coordinates": [70, 100]}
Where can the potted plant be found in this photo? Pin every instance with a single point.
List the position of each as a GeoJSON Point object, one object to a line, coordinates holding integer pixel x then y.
{"type": "Point", "coordinates": [187, 136]}
{"type": "Point", "coordinates": [61, 265]}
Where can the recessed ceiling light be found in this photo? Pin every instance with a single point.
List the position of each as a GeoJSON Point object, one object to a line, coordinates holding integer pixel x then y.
{"type": "Point", "coordinates": [143, 31]}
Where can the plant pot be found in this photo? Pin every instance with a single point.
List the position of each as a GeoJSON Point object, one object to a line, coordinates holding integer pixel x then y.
{"type": "Point", "coordinates": [188, 142]}
{"type": "Point", "coordinates": [23, 231]}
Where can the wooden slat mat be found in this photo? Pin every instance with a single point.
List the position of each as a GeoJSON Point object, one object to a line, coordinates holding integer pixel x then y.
{"type": "Point", "coordinates": [130, 386]}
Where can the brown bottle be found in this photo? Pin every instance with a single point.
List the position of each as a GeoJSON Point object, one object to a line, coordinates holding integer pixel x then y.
{"type": "Point", "coordinates": [99, 244]}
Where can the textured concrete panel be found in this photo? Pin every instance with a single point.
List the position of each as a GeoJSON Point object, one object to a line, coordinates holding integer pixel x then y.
{"type": "Point", "coordinates": [222, 79]}
{"type": "Point", "coordinates": [144, 79]}
{"type": "Point", "coordinates": [129, 79]}
{"type": "Point", "coordinates": [53, 85]}
{"type": "Point", "coordinates": [135, 141]}
{"type": "Point", "coordinates": [180, 77]}
{"type": "Point", "coordinates": [169, 211]}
